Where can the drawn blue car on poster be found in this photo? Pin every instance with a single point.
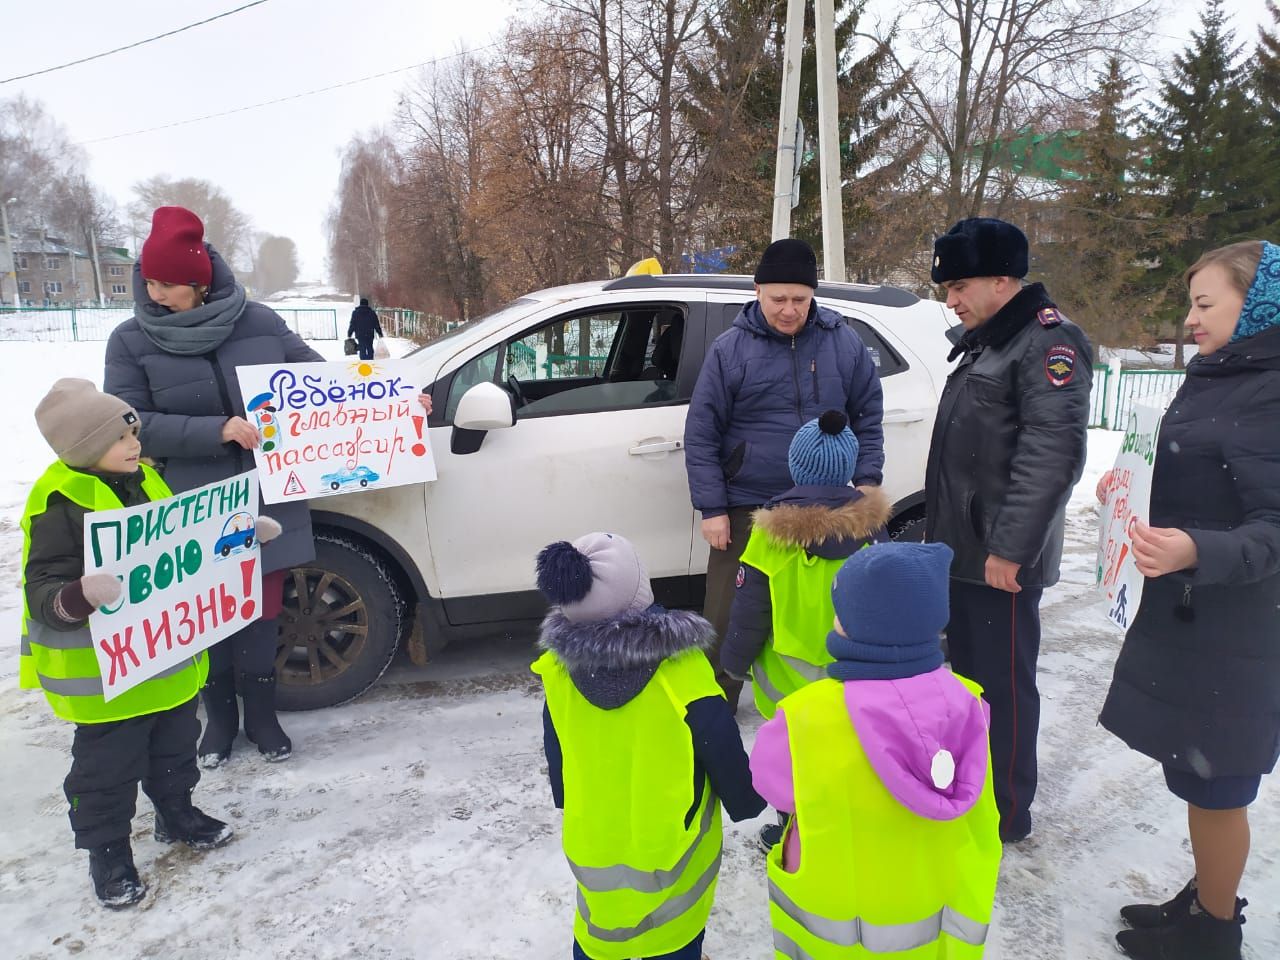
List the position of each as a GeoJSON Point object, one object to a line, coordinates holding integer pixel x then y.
{"type": "Point", "coordinates": [237, 533]}
{"type": "Point", "coordinates": [341, 478]}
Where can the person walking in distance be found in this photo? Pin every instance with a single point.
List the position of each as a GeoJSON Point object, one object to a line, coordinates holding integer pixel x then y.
{"type": "Point", "coordinates": [364, 326]}
{"type": "Point", "coordinates": [1008, 445]}
{"type": "Point", "coordinates": [782, 363]}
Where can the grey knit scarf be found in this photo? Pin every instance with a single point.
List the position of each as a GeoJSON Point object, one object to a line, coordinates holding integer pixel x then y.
{"type": "Point", "coordinates": [191, 333]}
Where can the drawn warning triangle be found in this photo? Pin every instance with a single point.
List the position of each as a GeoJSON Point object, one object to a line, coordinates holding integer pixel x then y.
{"type": "Point", "coordinates": [293, 486]}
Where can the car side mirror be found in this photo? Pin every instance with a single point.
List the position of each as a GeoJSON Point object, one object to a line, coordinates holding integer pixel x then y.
{"type": "Point", "coordinates": [486, 406]}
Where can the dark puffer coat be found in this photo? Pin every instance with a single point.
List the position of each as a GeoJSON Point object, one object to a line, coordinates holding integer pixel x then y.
{"type": "Point", "coordinates": [183, 403]}
{"type": "Point", "coordinates": [757, 388]}
{"type": "Point", "coordinates": [1197, 683]}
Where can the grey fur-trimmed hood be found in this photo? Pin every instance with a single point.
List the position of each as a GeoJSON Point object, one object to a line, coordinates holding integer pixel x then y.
{"type": "Point", "coordinates": [634, 640]}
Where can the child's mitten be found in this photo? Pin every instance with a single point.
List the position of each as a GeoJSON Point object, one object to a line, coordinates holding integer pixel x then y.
{"type": "Point", "coordinates": [268, 529]}
{"type": "Point", "coordinates": [101, 589]}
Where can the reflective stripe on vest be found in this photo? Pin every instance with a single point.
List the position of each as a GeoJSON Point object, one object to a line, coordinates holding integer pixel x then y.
{"type": "Point", "coordinates": [645, 891]}
{"type": "Point", "coordinates": [883, 938]}
{"type": "Point", "coordinates": [877, 877]}
{"type": "Point", "coordinates": [668, 911]}
{"type": "Point", "coordinates": [63, 663]}
{"type": "Point", "coordinates": [622, 877]}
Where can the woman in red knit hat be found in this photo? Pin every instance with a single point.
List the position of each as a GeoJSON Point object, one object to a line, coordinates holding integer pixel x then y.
{"type": "Point", "coordinates": [175, 362]}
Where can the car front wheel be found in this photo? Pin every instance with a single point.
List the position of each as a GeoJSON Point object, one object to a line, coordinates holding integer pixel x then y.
{"type": "Point", "coordinates": [339, 626]}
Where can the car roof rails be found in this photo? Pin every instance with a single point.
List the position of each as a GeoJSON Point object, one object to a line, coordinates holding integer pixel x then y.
{"type": "Point", "coordinates": [858, 293]}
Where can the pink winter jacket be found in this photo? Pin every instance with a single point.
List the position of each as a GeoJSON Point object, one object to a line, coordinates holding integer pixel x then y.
{"type": "Point", "coordinates": [901, 724]}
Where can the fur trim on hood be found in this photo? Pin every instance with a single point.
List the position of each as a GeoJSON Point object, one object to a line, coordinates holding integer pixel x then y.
{"type": "Point", "coordinates": [807, 525]}
{"type": "Point", "coordinates": [642, 638]}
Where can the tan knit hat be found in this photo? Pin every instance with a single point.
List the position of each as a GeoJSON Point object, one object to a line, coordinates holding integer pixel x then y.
{"type": "Point", "coordinates": [80, 422]}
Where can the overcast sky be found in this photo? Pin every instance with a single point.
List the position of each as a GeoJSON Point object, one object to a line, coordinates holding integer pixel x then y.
{"type": "Point", "coordinates": [278, 163]}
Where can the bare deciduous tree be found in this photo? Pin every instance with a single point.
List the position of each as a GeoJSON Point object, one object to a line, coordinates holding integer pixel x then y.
{"type": "Point", "coordinates": [978, 72]}
{"type": "Point", "coordinates": [226, 228]}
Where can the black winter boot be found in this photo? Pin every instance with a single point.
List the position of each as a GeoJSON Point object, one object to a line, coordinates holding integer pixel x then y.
{"type": "Point", "coordinates": [260, 723]}
{"type": "Point", "coordinates": [115, 878]}
{"type": "Point", "coordinates": [177, 819]}
{"type": "Point", "coordinates": [1195, 936]}
{"type": "Point", "coordinates": [222, 720]}
{"type": "Point", "coordinates": [1147, 916]}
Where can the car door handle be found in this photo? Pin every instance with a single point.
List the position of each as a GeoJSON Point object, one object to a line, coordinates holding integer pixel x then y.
{"type": "Point", "coordinates": [901, 415]}
{"type": "Point", "coordinates": [655, 446]}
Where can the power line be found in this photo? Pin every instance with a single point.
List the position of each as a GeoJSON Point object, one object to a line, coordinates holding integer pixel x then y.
{"type": "Point", "coordinates": [130, 46]}
{"type": "Point", "coordinates": [293, 96]}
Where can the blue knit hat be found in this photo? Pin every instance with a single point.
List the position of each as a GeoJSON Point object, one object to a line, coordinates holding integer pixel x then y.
{"type": "Point", "coordinates": [1261, 309]}
{"type": "Point", "coordinates": [892, 601]}
{"type": "Point", "coordinates": [823, 452]}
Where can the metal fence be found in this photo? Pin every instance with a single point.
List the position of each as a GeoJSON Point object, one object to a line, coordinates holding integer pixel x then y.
{"type": "Point", "coordinates": [1142, 385]}
{"type": "Point", "coordinates": [1099, 397]}
{"type": "Point", "coordinates": [73, 324]}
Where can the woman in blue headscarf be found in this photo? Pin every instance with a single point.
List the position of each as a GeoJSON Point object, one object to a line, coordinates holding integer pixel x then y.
{"type": "Point", "coordinates": [1197, 683]}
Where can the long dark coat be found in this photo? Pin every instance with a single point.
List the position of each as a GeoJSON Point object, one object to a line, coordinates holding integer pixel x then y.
{"type": "Point", "coordinates": [183, 403]}
{"type": "Point", "coordinates": [1197, 683]}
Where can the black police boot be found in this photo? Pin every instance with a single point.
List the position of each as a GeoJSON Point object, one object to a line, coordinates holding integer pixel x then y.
{"type": "Point", "coordinates": [178, 820]}
{"type": "Point", "coordinates": [1145, 916]}
{"type": "Point", "coordinates": [115, 878]}
{"type": "Point", "coordinates": [222, 720]}
{"type": "Point", "coordinates": [1197, 935]}
{"type": "Point", "coordinates": [260, 723]}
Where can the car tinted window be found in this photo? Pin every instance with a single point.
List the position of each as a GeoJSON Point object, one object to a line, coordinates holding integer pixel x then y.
{"type": "Point", "coordinates": [623, 357]}
{"type": "Point", "coordinates": [477, 370]}
{"type": "Point", "coordinates": [888, 362]}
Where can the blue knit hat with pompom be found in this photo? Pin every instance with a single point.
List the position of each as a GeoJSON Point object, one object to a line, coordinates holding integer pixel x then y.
{"type": "Point", "coordinates": [596, 577]}
{"type": "Point", "coordinates": [823, 452]}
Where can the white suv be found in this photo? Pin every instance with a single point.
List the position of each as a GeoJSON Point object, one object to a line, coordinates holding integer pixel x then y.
{"type": "Point", "coordinates": [559, 414]}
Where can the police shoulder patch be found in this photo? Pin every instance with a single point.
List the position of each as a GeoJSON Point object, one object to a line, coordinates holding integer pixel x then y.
{"type": "Point", "coordinates": [1049, 317]}
{"type": "Point", "coordinates": [742, 576]}
{"type": "Point", "coordinates": [1060, 364]}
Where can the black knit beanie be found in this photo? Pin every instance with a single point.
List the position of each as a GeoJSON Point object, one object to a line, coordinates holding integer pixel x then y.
{"type": "Point", "coordinates": [788, 261]}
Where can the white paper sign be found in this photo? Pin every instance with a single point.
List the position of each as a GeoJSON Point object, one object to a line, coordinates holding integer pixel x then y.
{"type": "Point", "coordinates": [329, 428]}
{"type": "Point", "coordinates": [191, 574]}
{"type": "Point", "coordinates": [1128, 499]}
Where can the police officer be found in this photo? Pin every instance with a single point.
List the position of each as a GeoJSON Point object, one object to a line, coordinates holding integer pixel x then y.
{"type": "Point", "coordinates": [1008, 445]}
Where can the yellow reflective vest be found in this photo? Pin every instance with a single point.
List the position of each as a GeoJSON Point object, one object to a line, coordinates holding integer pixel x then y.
{"type": "Point", "coordinates": [875, 880]}
{"type": "Point", "coordinates": [63, 663]}
{"type": "Point", "coordinates": [800, 593]}
{"type": "Point", "coordinates": [645, 852]}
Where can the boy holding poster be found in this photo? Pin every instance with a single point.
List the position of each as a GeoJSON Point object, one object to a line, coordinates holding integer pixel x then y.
{"type": "Point", "coordinates": [148, 733]}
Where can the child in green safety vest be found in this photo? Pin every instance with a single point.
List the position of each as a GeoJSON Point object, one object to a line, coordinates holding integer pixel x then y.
{"type": "Point", "coordinates": [782, 601]}
{"type": "Point", "coordinates": [148, 733]}
{"type": "Point", "coordinates": [641, 752]}
{"type": "Point", "coordinates": [892, 842]}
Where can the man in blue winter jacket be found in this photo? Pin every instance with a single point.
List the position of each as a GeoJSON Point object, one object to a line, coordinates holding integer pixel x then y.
{"type": "Point", "coordinates": [782, 363]}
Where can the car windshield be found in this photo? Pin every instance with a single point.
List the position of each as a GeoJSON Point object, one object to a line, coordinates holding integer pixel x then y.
{"type": "Point", "coordinates": [482, 325]}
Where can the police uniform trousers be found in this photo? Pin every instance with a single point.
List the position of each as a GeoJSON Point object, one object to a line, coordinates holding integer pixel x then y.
{"type": "Point", "coordinates": [994, 639]}
{"type": "Point", "coordinates": [108, 760]}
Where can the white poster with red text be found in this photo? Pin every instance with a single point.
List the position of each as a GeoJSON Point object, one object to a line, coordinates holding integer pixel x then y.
{"type": "Point", "coordinates": [329, 428]}
{"type": "Point", "coordinates": [1128, 499]}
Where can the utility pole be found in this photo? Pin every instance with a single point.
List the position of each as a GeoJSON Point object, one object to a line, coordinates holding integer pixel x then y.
{"type": "Point", "coordinates": [97, 267]}
{"type": "Point", "coordinates": [829, 143]}
{"type": "Point", "coordinates": [788, 159]}
{"type": "Point", "coordinates": [12, 265]}
{"type": "Point", "coordinates": [788, 156]}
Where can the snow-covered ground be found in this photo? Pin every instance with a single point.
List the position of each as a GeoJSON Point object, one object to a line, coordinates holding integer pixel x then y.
{"type": "Point", "coordinates": [416, 823]}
